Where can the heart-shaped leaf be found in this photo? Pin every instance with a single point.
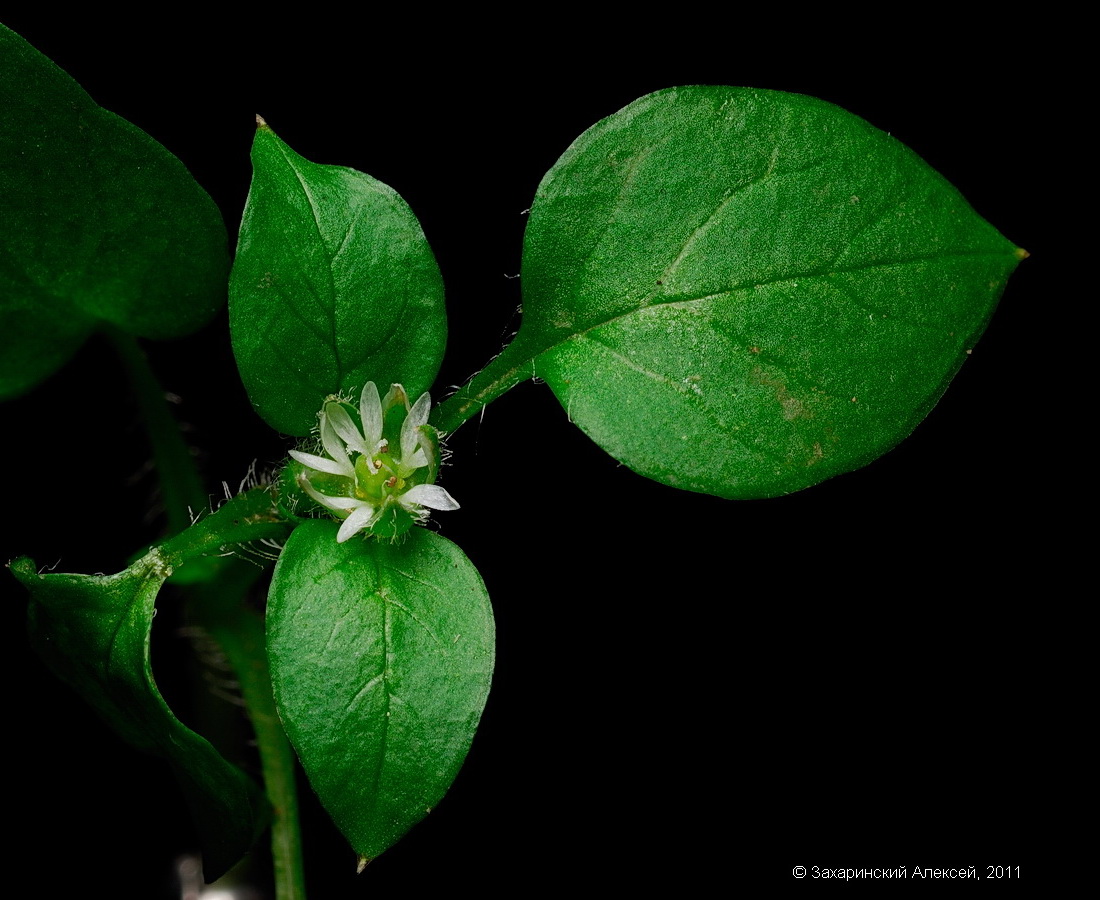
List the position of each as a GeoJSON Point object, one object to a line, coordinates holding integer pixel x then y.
{"type": "Point", "coordinates": [744, 292]}
{"type": "Point", "coordinates": [334, 285]}
{"type": "Point", "coordinates": [100, 224]}
{"type": "Point", "coordinates": [381, 656]}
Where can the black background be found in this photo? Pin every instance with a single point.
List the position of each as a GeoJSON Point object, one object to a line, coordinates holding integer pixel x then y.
{"type": "Point", "coordinates": [687, 689]}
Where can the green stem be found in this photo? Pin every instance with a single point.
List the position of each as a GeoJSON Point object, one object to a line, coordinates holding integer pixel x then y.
{"type": "Point", "coordinates": [180, 484]}
{"type": "Point", "coordinates": [240, 633]}
{"type": "Point", "coordinates": [502, 374]}
{"type": "Point", "coordinates": [250, 516]}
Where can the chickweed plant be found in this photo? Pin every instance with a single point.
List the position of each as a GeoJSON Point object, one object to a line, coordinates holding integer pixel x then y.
{"type": "Point", "coordinates": [631, 422]}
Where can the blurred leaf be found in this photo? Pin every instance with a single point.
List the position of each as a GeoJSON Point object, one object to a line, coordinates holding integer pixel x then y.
{"type": "Point", "coordinates": [334, 285]}
{"type": "Point", "coordinates": [381, 657]}
{"type": "Point", "coordinates": [100, 224]}
{"type": "Point", "coordinates": [93, 632]}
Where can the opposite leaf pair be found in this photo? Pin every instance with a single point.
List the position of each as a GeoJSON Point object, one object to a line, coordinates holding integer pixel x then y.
{"type": "Point", "coordinates": [733, 291]}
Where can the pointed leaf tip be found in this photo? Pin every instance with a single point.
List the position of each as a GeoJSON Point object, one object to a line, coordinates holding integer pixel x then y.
{"type": "Point", "coordinates": [310, 253]}
{"type": "Point", "coordinates": [363, 862]}
{"type": "Point", "coordinates": [751, 332]}
{"type": "Point", "coordinates": [260, 121]}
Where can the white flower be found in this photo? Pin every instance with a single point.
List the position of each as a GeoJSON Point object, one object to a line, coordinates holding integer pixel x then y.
{"type": "Point", "coordinates": [374, 483]}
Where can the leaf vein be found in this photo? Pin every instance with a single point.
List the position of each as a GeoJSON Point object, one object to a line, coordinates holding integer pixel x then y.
{"type": "Point", "coordinates": [699, 401]}
{"type": "Point", "coordinates": [412, 615]}
{"type": "Point", "coordinates": [708, 221]}
{"type": "Point", "coordinates": [313, 208]}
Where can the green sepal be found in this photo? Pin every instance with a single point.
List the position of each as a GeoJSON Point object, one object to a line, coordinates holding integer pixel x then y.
{"type": "Point", "coordinates": [101, 224]}
{"type": "Point", "coordinates": [334, 285]}
{"type": "Point", "coordinates": [381, 656]}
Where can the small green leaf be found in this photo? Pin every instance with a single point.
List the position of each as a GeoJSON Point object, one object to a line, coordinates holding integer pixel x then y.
{"type": "Point", "coordinates": [93, 632]}
{"type": "Point", "coordinates": [334, 285]}
{"type": "Point", "coordinates": [381, 657]}
{"type": "Point", "coordinates": [745, 292]}
{"type": "Point", "coordinates": [100, 224]}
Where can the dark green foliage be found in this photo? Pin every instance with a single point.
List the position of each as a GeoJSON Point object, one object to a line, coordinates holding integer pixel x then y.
{"type": "Point", "coordinates": [381, 657]}
{"type": "Point", "coordinates": [334, 285]}
{"type": "Point", "coordinates": [100, 224]}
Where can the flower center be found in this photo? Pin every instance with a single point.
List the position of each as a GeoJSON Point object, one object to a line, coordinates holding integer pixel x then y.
{"type": "Point", "coordinates": [382, 482]}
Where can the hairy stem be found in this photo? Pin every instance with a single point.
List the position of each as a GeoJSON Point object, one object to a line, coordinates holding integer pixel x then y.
{"type": "Point", "coordinates": [250, 516]}
{"type": "Point", "coordinates": [180, 484]}
{"type": "Point", "coordinates": [502, 374]}
{"type": "Point", "coordinates": [220, 608]}
{"type": "Point", "coordinates": [240, 632]}
{"type": "Point", "coordinates": [219, 605]}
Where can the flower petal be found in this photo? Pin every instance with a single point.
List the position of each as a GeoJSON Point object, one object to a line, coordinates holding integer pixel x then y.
{"type": "Point", "coordinates": [430, 495]}
{"type": "Point", "coordinates": [321, 464]}
{"type": "Point", "coordinates": [410, 433]}
{"type": "Point", "coordinates": [410, 464]}
{"type": "Point", "coordinates": [334, 447]}
{"type": "Point", "coordinates": [343, 425]}
{"type": "Point", "coordinates": [340, 504]}
{"type": "Point", "coordinates": [370, 411]}
{"type": "Point", "coordinates": [356, 522]}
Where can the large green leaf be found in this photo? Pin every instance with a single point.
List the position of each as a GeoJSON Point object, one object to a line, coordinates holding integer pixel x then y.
{"type": "Point", "coordinates": [334, 285]}
{"type": "Point", "coordinates": [381, 656]}
{"type": "Point", "coordinates": [93, 632]}
{"type": "Point", "coordinates": [745, 292]}
{"type": "Point", "coordinates": [100, 224]}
